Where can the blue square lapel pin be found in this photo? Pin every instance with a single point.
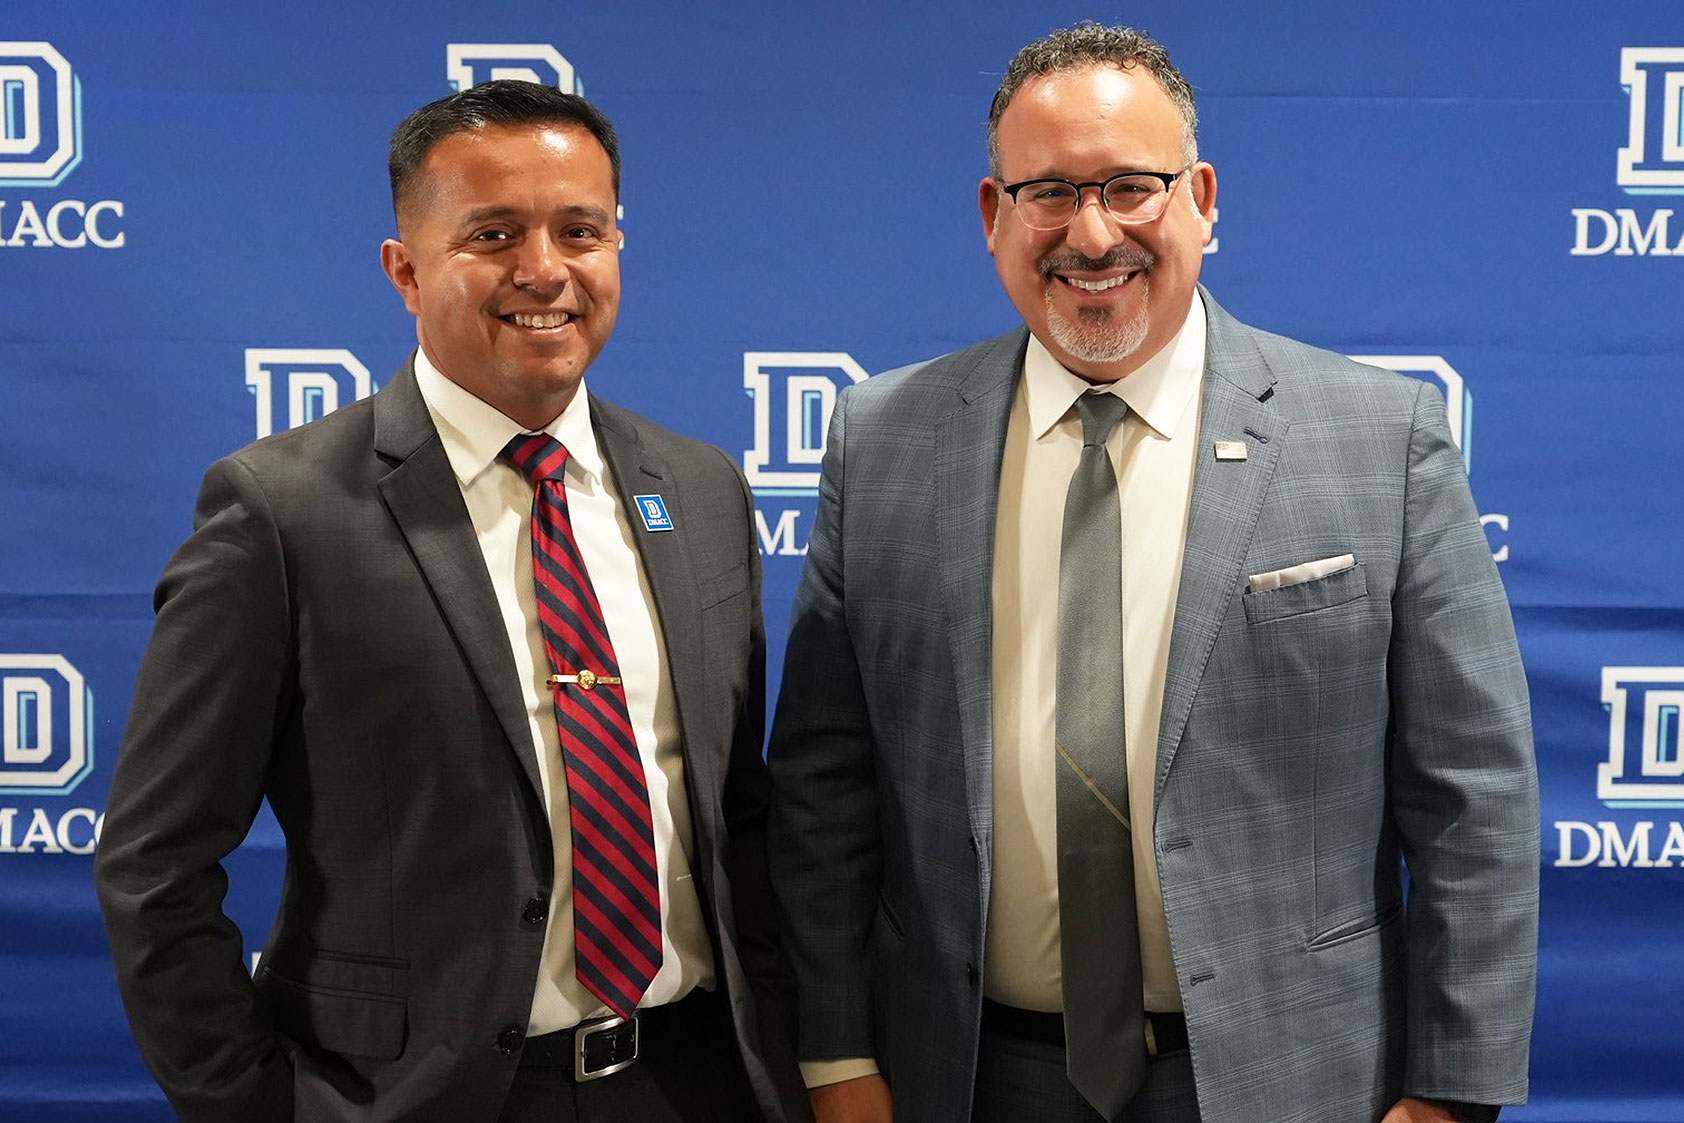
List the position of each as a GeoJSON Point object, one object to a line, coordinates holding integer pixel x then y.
{"type": "Point", "coordinates": [653, 509]}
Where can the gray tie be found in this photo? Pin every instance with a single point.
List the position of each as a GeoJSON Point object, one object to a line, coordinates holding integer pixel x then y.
{"type": "Point", "coordinates": [1104, 1028]}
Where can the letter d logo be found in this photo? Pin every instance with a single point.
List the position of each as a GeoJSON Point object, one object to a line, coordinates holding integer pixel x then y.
{"type": "Point", "coordinates": [40, 116]}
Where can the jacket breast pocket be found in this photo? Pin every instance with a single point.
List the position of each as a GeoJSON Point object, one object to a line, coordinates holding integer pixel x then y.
{"type": "Point", "coordinates": [335, 1019]}
{"type": "Point", "coordinates": [1308, 596]}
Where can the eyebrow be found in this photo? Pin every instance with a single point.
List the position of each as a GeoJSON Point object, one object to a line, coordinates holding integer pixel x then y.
{"type": "Point", "coordinates": [1123, 169]}
{"type": "Point", "coordinates": [578, 210]}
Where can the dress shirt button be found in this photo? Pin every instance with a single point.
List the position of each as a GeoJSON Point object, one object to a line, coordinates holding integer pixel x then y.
{"type": "Point", "coordinates": [535, 913]}
{"type": "Point", "coordinates": [510, 1039]}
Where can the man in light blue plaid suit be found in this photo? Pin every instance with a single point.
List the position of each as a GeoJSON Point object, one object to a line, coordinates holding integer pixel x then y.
{"type": "Point", "coordinates": [1319, 687]}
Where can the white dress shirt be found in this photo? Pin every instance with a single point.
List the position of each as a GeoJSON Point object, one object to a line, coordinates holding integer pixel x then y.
{"type": "Point", "coordinates": [1154, 449]}
{"type": "Point", "coordinates": [499, 500]}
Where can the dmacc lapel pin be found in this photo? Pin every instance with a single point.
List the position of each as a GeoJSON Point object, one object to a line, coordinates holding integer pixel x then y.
{"type": "Point", "coordinates": [654, 511]}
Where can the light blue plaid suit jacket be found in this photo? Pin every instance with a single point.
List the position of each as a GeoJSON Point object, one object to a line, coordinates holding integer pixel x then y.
{"type": "Point", "coordinates": [1315, 739]}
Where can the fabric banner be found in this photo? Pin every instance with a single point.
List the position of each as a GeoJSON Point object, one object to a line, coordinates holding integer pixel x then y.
{"type": "Point", "coordinates": [1487, 197]}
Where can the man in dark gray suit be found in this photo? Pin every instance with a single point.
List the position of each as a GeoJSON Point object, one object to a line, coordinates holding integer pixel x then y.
{"type": "Point", "coordinates": [1141, 564]}
{"type": "Point", "coordinates": [523, 808]}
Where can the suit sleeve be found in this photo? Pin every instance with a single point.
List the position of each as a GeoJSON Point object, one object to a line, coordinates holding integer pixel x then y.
{"type": "Point", "coordinates": [825, 841]}
{"type": "Point", "coordinates": [188, 783]}
{"type": "Point", "coordinates": [1464, 789]}
{"type": "Point", "coordinates": [744, 806]}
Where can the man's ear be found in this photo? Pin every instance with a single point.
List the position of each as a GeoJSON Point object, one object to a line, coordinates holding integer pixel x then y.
{"type": "Point", "coordinates": [400, 270]}
{"type": "Point", "coordinates": [1202, 181]}
{"type": "Point", "coordinates": [988, 201]}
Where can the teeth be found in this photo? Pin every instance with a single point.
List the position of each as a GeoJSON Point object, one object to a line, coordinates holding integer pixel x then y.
{"type": "Point", "coordinates": [1097, 286]}
{"type": "Point", "coordinates": [541, 319]}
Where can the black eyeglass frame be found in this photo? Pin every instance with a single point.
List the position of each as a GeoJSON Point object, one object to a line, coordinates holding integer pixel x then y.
{"type": "Point", "coordinates": [1168, 179]}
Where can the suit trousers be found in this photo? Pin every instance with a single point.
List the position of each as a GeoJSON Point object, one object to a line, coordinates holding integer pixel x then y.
{"type": "Point", "coordinates": [689, 1072]}
{"type": "Point", "coordinates": [1022, 1080]}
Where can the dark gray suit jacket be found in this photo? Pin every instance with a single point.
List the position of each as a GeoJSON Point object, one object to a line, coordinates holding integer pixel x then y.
{"type": "Point", "coordinates": [1313, 738]}
{"type": "Point", "coordinates": [328, 638]}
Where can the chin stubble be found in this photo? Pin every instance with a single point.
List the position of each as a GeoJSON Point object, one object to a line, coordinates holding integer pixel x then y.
{"type": "Point", "coordinates": [1096, 335]}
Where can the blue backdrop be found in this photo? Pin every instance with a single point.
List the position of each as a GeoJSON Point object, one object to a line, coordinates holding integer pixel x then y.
{"type": "Point", "coordinates": [191, 203]}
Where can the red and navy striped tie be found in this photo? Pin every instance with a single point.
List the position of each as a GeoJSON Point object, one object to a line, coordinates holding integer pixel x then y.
{"type": "Point", "coordinates": [616, 897]}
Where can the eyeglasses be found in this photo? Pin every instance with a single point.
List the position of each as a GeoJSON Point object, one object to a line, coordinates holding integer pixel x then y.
{"type": "Point", "coordinates": [1132, 198]}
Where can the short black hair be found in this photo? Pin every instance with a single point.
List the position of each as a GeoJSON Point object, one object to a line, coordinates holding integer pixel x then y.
{"type": "Point", "coordinates": [502, 102]}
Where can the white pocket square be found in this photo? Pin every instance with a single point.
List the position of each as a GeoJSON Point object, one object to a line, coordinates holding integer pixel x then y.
{"type": "Point", "coordinates": [1298, 574]}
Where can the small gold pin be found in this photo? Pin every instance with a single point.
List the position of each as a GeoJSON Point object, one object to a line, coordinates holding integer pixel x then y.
{"type": "Point", "coordinates": [585, 680]}
{"type": "Point", "coordinates": [1230, 450]}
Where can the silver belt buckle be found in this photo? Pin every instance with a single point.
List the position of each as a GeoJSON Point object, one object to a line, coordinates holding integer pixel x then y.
{"type": "Point", "coordinates": [604, 1047]}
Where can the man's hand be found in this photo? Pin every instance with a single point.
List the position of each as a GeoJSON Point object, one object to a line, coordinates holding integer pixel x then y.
{"type": "Point", "coordinates": [1411, 1110]}
{"type": "Point", "coordinates": [864, 1099]}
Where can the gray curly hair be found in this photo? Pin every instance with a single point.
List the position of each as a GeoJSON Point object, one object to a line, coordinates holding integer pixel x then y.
{"type": "Point", "coordinates": [1094, 44]}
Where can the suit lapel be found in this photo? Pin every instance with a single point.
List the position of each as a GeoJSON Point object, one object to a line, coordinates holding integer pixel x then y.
{"type": "Point", "coordinates": [638, 470]}
{"type": "Point", "coordinates": [1227, 499]}
{"type": "Point", "coordinates": [970, 443]}
{"type": "Point", "coordinates": [424, 500]}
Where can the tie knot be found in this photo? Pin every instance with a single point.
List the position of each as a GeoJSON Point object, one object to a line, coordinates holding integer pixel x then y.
{"type": "Point", "coordinates": [539, 456]}
{"type": "Point", "coordinates": [1100, 414]}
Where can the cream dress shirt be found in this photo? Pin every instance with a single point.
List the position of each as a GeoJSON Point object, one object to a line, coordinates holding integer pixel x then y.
{"type": "Point", "coordinates": [1154, 449]}
{"type": "Point", "coordinates": [499, 500]}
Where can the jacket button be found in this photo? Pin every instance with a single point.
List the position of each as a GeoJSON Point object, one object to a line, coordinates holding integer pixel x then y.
{"type": "Point", "coordinates": [970, 973]}
{"type": "Point", "coordinates": [535, 913]}
{"type": "Point", "coordinates": [510, 1040]}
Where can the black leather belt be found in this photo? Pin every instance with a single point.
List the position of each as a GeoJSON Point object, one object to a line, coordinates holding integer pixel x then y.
{"type": "Point", "coordinates": [603, 1046]}
{"type": "Point", "coordinates": [1165, 1033]}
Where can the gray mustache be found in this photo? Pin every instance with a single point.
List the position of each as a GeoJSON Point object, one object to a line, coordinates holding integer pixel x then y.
{"type": "Point", "coordinates": [1119, 257]}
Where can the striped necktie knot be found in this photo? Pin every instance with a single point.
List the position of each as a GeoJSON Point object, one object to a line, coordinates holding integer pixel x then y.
{"type": "Point", "coordinates": [537, 455]}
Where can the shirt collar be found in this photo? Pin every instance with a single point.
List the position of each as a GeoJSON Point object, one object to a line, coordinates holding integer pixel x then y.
{"type": "Point", "coordinates": [474, 433]}
{"type": "Point", "coordinates": [1160, 391]}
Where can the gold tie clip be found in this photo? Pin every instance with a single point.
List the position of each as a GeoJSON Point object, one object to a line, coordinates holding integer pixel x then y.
{"type": "Point", "coordinates": [586, 680]}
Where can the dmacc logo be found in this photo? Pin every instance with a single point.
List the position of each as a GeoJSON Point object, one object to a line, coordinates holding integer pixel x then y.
{"type": "Point", "coordinates": [41, 144]}
{"type": "Point", "coordinates": [40, 116]}
{"type": "Point", "coordinates": [1645, 765]}
{"type": "Point", "coordinates": [794, 394]}
{"type": "Point", "coordinates": [297, 385]}
{"type": "Point", "coordinates": [47, 712]}
{"type": "Point", "coordinates": [1644, 769]}
{"type": "Point", "coordinates": [1651, 162]}
{"type": "Point", "coordinates": [469, 64]}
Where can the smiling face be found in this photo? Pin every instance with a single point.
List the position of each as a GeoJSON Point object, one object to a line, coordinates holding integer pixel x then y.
{"type": "Point", "coordinates": [510, 262]}
{"type": "Point", "coordinates": [1101, 296]}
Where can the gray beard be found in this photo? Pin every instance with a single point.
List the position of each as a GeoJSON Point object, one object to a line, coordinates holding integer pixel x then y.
{"type": "Point", "coordinates": [1096, 336]}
